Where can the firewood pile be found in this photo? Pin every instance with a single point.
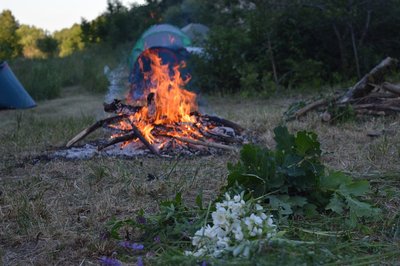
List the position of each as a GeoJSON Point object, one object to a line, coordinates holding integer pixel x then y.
{"type": "Point", "coordinates": [204, 135]}
{"type": "Point", "coordinates": [371, 95]}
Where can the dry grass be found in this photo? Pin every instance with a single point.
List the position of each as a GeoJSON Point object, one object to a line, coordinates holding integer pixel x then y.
{"type": "Point", "coordinates": [54, 212]}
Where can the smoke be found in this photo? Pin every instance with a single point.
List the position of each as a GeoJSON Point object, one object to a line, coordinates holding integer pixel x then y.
{"type": "Point", "coordinates": [118, 83]}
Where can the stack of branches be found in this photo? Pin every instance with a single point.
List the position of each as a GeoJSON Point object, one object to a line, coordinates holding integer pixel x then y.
{"type": "Point", "coordinates": [227, 132]}
{"type": "Point", "coordinates": [371, 95]}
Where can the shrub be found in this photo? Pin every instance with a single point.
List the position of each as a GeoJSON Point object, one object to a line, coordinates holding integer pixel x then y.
{"type": "Point", "coordinates": [293, 180]}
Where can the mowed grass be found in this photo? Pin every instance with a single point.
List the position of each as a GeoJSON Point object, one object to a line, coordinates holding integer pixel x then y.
{"type": "Point", "coordinates": [54, 212]}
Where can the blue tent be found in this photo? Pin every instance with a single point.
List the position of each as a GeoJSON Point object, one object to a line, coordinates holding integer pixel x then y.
{"type": "Point", "coordinates": [12, 93]}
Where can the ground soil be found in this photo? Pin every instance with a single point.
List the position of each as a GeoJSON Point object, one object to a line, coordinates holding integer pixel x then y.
{"type": "Point", "coordinates": [54, 212]}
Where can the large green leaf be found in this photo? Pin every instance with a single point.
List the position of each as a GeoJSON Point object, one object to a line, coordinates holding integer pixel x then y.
{"type": "Point", "coordinates": [307, 144]}
{"type": "Point", "coordinates": [335, 204]}
{"type": "Point", "coordinates": [284, 140]}
{"type": "Point", "coordinates": [334, 180]}
{"type": "Point", "coordinates": [360, 209]}
{"type": "Point", "coordinates": [355, 188]}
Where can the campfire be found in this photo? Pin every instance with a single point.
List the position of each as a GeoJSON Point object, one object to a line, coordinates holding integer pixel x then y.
{"type": "Point", "coordinates": [164, 119]}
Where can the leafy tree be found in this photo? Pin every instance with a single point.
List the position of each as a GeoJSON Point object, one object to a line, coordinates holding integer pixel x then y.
{"type": "Point", "coordinates": [28, 36]}
{"type": "Point", "coordinates": [69, 40]}
{"type": "Point", "coordinates": [9, 40]}
{"type": "Point", "coordinates": [48, 45]}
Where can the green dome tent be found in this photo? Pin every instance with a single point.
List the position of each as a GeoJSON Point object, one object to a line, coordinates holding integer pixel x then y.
{"type": "Point", "coordinates": [161, 35]}
{"type": "Point", "coordinates": [12, 93]}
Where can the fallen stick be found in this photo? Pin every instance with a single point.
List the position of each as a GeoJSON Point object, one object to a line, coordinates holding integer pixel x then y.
{"type": "Point", "coordinates": [224, 122]}
{"type": "Point", "coordinates": [391, 88]}
{"type": "Point", "coordinates": [369, 112]}
{"type": "Point", "coordinates": [93, 127]}
{"type": "Point", "coordinates": [376, 75]}
{"type": "Point", "coordinates": [200, 142]}
{"type": "Point", "coordinates": [377, 107]}
{"type": "Point", "coordinates": [312, 106]}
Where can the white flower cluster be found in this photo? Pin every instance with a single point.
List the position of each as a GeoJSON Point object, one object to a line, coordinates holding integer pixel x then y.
{"type": "Point", "coordinates": [237, 227]}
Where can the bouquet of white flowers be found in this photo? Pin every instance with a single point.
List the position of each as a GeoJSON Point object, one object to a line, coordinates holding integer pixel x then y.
{"type": "Point", "coordinates": [238, 228]}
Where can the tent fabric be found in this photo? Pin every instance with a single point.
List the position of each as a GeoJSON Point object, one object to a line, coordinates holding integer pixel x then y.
{"type": "Point", "coordinates": [196, 32]}
{"type": "Point", "coordinates": [12, 93]}
{"type": "Point", "coordinates": [161, 35]}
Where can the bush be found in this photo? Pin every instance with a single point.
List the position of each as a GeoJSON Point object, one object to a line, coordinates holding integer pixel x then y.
{"type": "Point", "coordinates": [44, 78]}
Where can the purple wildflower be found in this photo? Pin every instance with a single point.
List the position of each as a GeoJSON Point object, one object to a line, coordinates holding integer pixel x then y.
{"type": "Point", "coordinates": [141, 220]}
{"type": "Point", "coordinates": [157, 239]}
{"type": "Point", "coordinates": [109, 261]}
{"type": "Point", "coordinates": [204, 263]}
{"type": "Point", "coordinates": [136, 246]}
{"type": "Point", "coordinates": [124, 244]}
{"type": "Point", "coordinates": [139, 261]}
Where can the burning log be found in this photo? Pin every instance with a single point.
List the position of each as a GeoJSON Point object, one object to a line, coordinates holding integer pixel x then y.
{"type": "Point", "coordinates": [116, 140]}
{"type": "Point", "coordinates": [143, 139]}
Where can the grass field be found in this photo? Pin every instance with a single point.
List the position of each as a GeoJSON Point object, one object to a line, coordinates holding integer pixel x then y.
{"type": "Point", "coordinates": [54, 212]}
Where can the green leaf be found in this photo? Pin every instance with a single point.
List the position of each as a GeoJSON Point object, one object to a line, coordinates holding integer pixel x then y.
{"type": "Point", "coordinates": [297, 201]}
{"type": "Point", "coordinates": [334, 180]}
{"type": "Point", "coordinates": [284, 140]}
{"type": "Point", "coordinates": [291, 165]}
{"type": "Point", "coordinates": [178, 198]}
{"type": "Point", "coordinates": [280, 203]}
{"type": "Point", "coordinates": [335, 204]}
{"type": "Point", "coordinates": [199, 201]}
{"type": "Point", "coordinates": [355, 188]}
{"type": "Point", "coordinates": [307, 144]}
{"type": "Point", "coordinates": [310, 210]}
{"type": "Point", "coordinates": [360, 209]}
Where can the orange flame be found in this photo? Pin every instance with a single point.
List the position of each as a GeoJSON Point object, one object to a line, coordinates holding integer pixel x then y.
{"type": "Point", "coordinates": [171, 103]}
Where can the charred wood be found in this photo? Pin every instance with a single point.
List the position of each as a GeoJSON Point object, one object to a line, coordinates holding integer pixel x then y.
{"type": "Point", "coordinates": [123, 138]}
{"type": "Point", "coordinates": [120, 108]}
{"type": "Point", "coordinates": [221, 121]}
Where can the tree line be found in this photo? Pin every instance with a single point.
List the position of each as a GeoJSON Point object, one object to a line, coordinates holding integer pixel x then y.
{"type": "Point", "coordinates": [253, 46]}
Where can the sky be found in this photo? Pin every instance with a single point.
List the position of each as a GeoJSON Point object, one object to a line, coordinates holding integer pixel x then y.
{"type": "Point", "coordinates": [55, 15]}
